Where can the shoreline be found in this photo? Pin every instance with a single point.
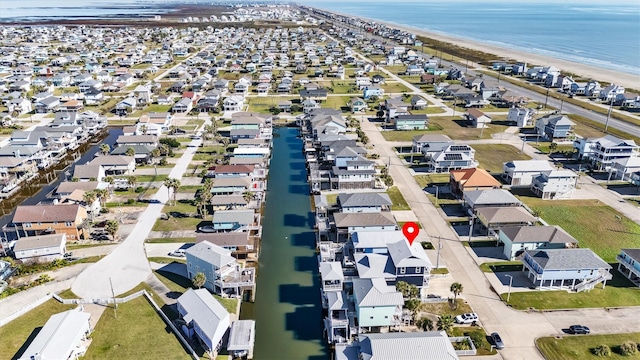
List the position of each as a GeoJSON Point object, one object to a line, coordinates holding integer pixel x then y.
{"type": "Point", "coordinates": [630, 81]}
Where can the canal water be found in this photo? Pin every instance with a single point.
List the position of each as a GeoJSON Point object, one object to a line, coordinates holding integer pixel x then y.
{"type": "Point", "coordinates": [37, 191]}
{"type": "Point", "coordinates": [287, 308]}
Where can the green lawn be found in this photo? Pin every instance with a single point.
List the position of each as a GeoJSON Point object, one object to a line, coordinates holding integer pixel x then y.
{"type": "Point", "coordinates": [394, 87]}
{"type": "Point", "coordinates": [166, 260]}
{"type": "Point", "coordinates": [408, 135]}
{"type": "Point", "coordinates": [501, 266]}
{"type": "Point", "coordinates": [170, 240]}
{"type": "Point", "coordinates": [151, 108]}
{"type": "Point", "coordinates": [543, 146]}
{"type": "Point", "coordinates": [454, 127]}
{"type": "Point", "coordinates": [426, 180]}
{"type": "Point", "coordinates": [180, 218]}
{"type": "Point", "coordinates": [150, 178]}
{"type": "Point", "coordinates": [485, 347]}
{"type": "Point", "coordinates": [137, 332]}
{"type": "Point", "coordinates": [580, 346]}
{"type": "Point", "coordinates": [444, 308]}
{"type": "Point", "coordinates": [618, 292]}
{"type": "Point", "coordinates": [608, 234]}
{"type": "Point", "coordinates": [493, 156]}
{"type": "Point", "coordinates": [16, 333]}
{"type": "Point", "coordinates": [399, 203]}
{"type": "Point", "coordinates": [180, 284]}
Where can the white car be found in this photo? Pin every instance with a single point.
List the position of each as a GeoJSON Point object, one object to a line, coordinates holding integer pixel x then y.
{"type": "Point", "coordinates": [468, 318]}
{"type": "Point", "coordinates": [177, 253]}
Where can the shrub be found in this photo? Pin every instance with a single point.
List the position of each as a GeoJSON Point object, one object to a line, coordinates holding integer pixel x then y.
{"type": "Point", "coordinates": [602, 350]}
{"type": "Point", "coordinates": [170, 142]}
{"type": "Point", "coordinates": [628, 348]}
{"type": "Point", "coordinates": [131, 201]}
{"type": "Point", "coordinates": [478, 339]}
{"type": "Point", "coordinates": [163, 161]}
{"type": "Point", "coordinates": [139, 189]}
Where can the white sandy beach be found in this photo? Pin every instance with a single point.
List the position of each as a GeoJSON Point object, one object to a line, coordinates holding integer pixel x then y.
{"type": "Point", "coordinates": [586, 71]}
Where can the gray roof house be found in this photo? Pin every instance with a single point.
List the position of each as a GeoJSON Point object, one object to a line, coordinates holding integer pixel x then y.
{"type": "Point", "coordinates": [377, 304]}
{"type": "Point", "coordinates": [629, 264]}
{"type": "Point", "coordinates": [430, 345]}
{"type": "Point", "coordinates": [241, 338]}
{"type": "Point", "coordinates": [517, 239]}
{"type": "Point", "coordinates": [494, 218]}
{"type": "Point", "coordinates": [364, 202]}
{"type": "Point", "coordinates": [205, 317]}
{"type": "Point", "coordinates": [475, 199]}
{"type": "Point", "coordinates": [429, 144]}
{"type": "Point", "coordinates": [61, 337]}
{"type": "Point", "coordinates": [234, 220]}
{"type": "Point", "coordinates": [562, 269]}
{"type": "Point", "coordinates": [554, 126]}
{"type": "Point", "coordinates": [41, 248]}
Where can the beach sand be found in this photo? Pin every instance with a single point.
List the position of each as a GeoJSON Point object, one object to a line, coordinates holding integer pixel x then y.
{"type": "Point", "coordinates": [585, 71]}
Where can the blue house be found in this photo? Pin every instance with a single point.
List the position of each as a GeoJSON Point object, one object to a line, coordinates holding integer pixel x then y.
{"type": "Point", "coordinates": [377, 304]}
{"type": "Point", "coordinates": [629, 264]}
{"type": "Point", "coordinates": [554, 126]}
{"type": "Point", "coordinates": [233, 220]}
{"type": "Point", "coordinates": [411, 122]}
{"type": "Point", "coordinates": [373, 91]}
{"type": "Point", "coordinates": [562, 269]}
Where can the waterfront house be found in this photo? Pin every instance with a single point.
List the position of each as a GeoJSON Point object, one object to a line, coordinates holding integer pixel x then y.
{"type": "Point", "coordinates": [363, 202]}
{"type": "Point", "coordinates": [41, 248]}
{"type": "Point", "coordinates": [376, 303]}
{"type": "Point", "coordinates": [411, 122]}
{"type": "Point", "coordinates": [230, 185]}
{"type": "Point", "coordinates": [225, 275]}
{"type": "Point", "coordinates": [131, 140]}
{"type": "Point", "coordinates": [115, 164]}
{"type": "Point", "coordinates": [33, 220]}
{"type": "Point", "coordinates": [430, 144]}
{"type": "Point", "coordinates": [495, 218]}
{"type": "Point", "coordinates": [205, 318]}
{"type": "Point", "coordinates": [332, 276]}
{"type": "Point", "coordinates": [517, 239]}
{"type": "Point", "coordinates": [239, 243]}
{"type": "Point", "coordinates": [242, 338]}
{"type": "Point", "coordinates": [356, 174]}
{"type": "Point", "coordinates": [405, 345]}
{"type": "Point", "coordinates": [348, 223]}
{"type": "Point", "coordinates": [629, 264]}
{"type": "Point", "coordinates": [234, 220]}
{"type": "Point", "coordinates": [452, 157]}
{"type": "Point", "coordinates": [63, 336]}
{"type": "Point", "coordinates": [602, 152]}
{"type": "Point", "coordinates": [233, 103]}
{"type": "Point", "coordinates": [228, 202]}
{"type": "Point", "coordinates": [554, 127]}
{"type": "Point", "coordinates": [477, 118]}
{"type": "Point", "coordinates": [153, 123]}
{"type": "Point", "coordinates": [88, 172]}
{"type": "Point", "coordinates": [565, 269]}
{"type": "Point", "coordinates": [472, 179]}
{"type": "Point", "coordinates": [475, 199]}
{"type": "Point", "coordinates": [231, 171]}
{"type": "Point", "coordinates": [336, 323]}
{"type": "Point", "coordinates": [554, 184]}
{"type": "Point", "coordinates": [522, 172]}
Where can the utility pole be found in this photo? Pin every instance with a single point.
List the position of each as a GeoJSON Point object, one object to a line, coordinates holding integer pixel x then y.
{"type": "Point", "coordinates": [438, 256]}
{"type": "Point", "coordinates": [113, 294]}
{"type": "Point", "coordinates": [606, 123]}
{"type": "Point", "coordinates": [546, 99]}
{"type": "Point", "coordinates": [509, 292]}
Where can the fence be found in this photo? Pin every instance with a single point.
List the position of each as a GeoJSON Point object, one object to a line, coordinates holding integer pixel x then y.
{"type": "Point", "coordinates": [100, 301]}
{"type": "Point", "coordinates": [459, 339]}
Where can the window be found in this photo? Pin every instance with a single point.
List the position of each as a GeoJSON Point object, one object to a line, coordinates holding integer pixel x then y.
{"type": "Point", "coordinates": [68, 223]}
{"type": "Point", "coordinates": [55, 223]}
{"type": "Point", "coordinates": [402, 270]}
{"type": "Point", "coordinates": [27, 225]}
{"type": "Point", "coordinates": [418, 270]}
{"type": "Point", "coordinates": [39, 223]}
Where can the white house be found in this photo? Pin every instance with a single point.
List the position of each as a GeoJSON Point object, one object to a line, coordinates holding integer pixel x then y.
{"type": "Point", "coordinates": [204, 317]}
{"type": "Point", "coordinates": [523, 117]}
{"type": "Point", "coordinates": [554, 184]}
{"type": "Point", "coordinates": [522, 172]}
{"type": "Point", "coordinates": [517, 239]}
{"type": "Point", "coordinates": [42, 248]}
{"type": "Point", "coordinates": [601, 152]}
{"type": "Point", "coordinates": [233, 103]}
{"type": "Point", "coordinates": [478, 118]}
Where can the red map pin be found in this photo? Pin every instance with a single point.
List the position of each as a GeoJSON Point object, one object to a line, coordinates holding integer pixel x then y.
{"type": "Point", "coordinates": [410, 231]}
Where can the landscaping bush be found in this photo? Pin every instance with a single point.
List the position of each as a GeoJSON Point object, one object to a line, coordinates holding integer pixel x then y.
{"type": "Point", "coordinates": [628, 348]}
{"type": "Point", "coordinates": [131, 201]}
{"type": "Point", "coordinates": [170, 142]}
{"type": "Point", "coordinates": [163, 161]}
{"type": "Point", "coordinates": [138, 190]}
{"type": "Point", "coordinates": [104, 210]}
{"type": "Point", "coordinates": [478, 339]}
{"type": "Point", "coordinates": [602, 350]}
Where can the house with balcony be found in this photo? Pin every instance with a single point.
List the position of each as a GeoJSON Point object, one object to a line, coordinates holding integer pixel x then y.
{"type": "Point", "coordinates": [477, 118]}
{"type": "Point", "coordinates": [554, 184]}
{"type": "Point", "coordinates": [356, 174]}
{"type": "Point", "coordinates": [522, 117]}
{"type": "Point", "coordinates": [565, 269]}
{"type": "Point", "coordinates": [225, 275]}
{"type": "Point", "coordinates": [430, 144]}
{"type": "Point", "coordinates": [35, 220]}
{"type": "Point", "coordinates": [453, 157]}
{"type": "Point", "coordinates": [623, 168]}
{"type": "Point", "coordinates": [348, 223]}
{"type": "Point", "coordinates": [401, 345]}
{"type": "Point", "coordinates": [43, 248]}
{"type": "Point", "coordinates": [377, 304]}
{"type": "Point", "coordinates": [602, 152]}
{"type": "Point", "coordinates": [464, 180]}
{"type": "Point", "coordinates": [522, 172]}
{"type": "Point", "coordinates": [495, 218]}
{"type": "Point", "coordinates": [154, 123]}
{"type": "Point", "coordinates": [332, 276]}
{"type": "Point", "coordinates": [554, 127]}
{"type": "Point", "coordinates": [235, 220]}
{"type": "Point", "coordinates": [517, 239]}
{"type": "Point", "coordinates": [205, 318]}
{"type": "Point", "coordinates": [629, 264]}
{"type": "Point", "coordinates": [366, 202]}
{"type": "Point", "coordinates": [336, 323]}
{"type": "Point", "coordinates": [410, 121]}
{"type": "Point", "coordinates": [476, 199]}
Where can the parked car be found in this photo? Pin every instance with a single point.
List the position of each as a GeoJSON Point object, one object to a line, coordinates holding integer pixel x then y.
{"type": "Point", "coordinates": [177, 253]}
{"type": "Point", "coordinates": [497, 341]}
{"type": "Point", "coordinates": [468, 318]}
{"type": "Point", "coordinates": [579, 329]}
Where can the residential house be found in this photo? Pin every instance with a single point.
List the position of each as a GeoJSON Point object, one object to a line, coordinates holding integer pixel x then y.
{"type": "Point", "coordinates": [242, 338]}
{"type": "Point", "coordinates": [476, 199]}
{"type": "Point", "coordinates": [130, 140]}
{"type": "Point", "coordinates": [63, 336]}
{"type": "Point", "coordinates": [41, 248]}
{"type": "Point", "coordinates": [239, 243]}
{"type": "Point", "coordinates": [348, 223]}
{"type": "Point", "coordinates": [477, 118]}
{"type": "Point", "coordinates": [225, 275]}
{"type": "Point", "coordinates": [623, 168]}
{"type": "Point", "coordinates": [418, 103]}
{"type": "Point", "coordinates": [373, 91]}
{"type": "Point", "coordinates": [517, 239]}
{"type": "Point", "coordinates": [522, 172]}
{"type": "Point", "coordinates": [452, 157]}
{"type": "Point", "coordinates": [233, 103]}
{"type": "Point", "coordinates": [472, 179]}
{"type": "Point", "coordinates": [230, 185]}
{"type": "Point", "coordinates": [228, 202]}
{"type": "Point", "coordinates": [233, 171]}
{"type": "Point", "coordinates": [234, 220]}
{"type": "Point", "coordinates": [355, 174]}
{"type": "Point", "coordinates": [115, 164]}
{"type": "Point", "coordinates": [404, 345]}
{"type": "Point", "coordinates": [495, 218]}
{"type": "Point", "coordinates": [183, 105]}
{"type": "Point", "coordinates": [376, 303]}
{"type": "Point", "coordinates": [49, 104]}
{"type": "Point", "coordinates": [565, 269]}
{"type": "Point", "coordinates": [205, 318]}
{"type": "Point", "coordinates": [363, 202]}
{"type": "Point", "coordinates": [411, 122]}
{"type": "Point", "coordinates": [629, 264]}
{"type": "Point", "coordinates": [602, 152]}
{"type": "Point", "coordinates": [430, 144]}
{"type": "Point", "coordinates": [34, 220]}
{"type": "Point", "coordinates": [554, 127]}
{"type": "Point", "coordinates": [154, 123]}
{"type": "Point", "coordinates": [554, 184]}
{"type": "Point", "coordinates": [357, 105]}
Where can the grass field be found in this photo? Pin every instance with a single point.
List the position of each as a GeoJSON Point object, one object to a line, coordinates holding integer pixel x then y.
{"type": "Point", "coordinates": [454, 127]}
{"type": "Point", "coordinates": [618, 292]}
{"type": "Point", "coordinates": [180, 284]}
{"type": "Point", "coordinates": [137, 332]}
{"type": "Point", "coordinates": [170, 240]}
{"type": "Point", "coordinates": [580, 347]}
{"type": "Point", "coordinates": [501, 266]}
{"type": "Point", "coordinates": [492, 156]}
{"type": "Point", "coordinates": [399, 203]}
{"type": "Point", "coordinates": [426, 180]}
{"type": "Point", "coordinates": [485, 347]}
{"type": "Point", "coordinates": [17, 335]}
{"type": "Point", "coordinates": [594, 225]}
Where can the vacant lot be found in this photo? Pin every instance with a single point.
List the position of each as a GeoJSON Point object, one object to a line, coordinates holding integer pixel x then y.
{"type": "Point", "coordinates": [399, 203]}
{"type": "Point", "coordinates": [182, 216]}
{"type": "Point", "coordinates": [454, 127]}
{"type": "Point", "coordinates": [580, 347]}
{"type": "Point", "coordinates": [493, 156]}
{"type": "Point", "coordinates": [18, 334]}
{"type": "Point", "coordinates": [180, 284]}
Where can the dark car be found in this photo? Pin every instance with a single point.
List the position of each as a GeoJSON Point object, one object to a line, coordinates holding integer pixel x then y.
{"type": "Point", "coordinates": [579, 329]}
{"type": "Point", "coordinates": [497, 341]}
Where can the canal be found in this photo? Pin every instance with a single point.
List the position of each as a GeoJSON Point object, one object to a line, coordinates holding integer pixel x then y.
{"type": "Point", "coordinates": [287, 309]}
{"type": "Point", "coordinates": [37, 191]}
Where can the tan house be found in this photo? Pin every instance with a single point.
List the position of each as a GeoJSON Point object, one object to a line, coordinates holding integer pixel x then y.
{"type": "Point", "coordinates": [472, 179]}
{"type": "Point", "coordinates": [34, 220]}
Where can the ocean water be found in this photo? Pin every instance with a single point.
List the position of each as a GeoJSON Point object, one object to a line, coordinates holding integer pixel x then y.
{"type": "Point", "coordinates": [604, 34]}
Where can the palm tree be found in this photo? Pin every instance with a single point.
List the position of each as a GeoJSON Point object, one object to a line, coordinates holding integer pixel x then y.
{"type": "Point", "coordinates": [456, 289]}
{"type": "Point", "coordinates": [102, 194]}
{"type": "Point", "coordinates": [110, 180]}
{"type": "Point", "coordinates": [105, 149]}
{"type": "Point", "coordinates": [143, 129]}
{"type": "Point", "coordinates": [112, 228]}
{"type": "Point", "coordinates": [130, 152]}
{"type": "Point", "coordinates": [172, 184]}
{"type": "Point", "coordinates": [445, 323]}
{"type": "Point", "coordinates": [199, 279]}
{"type": "Point", "coordinates": [132, 181]}
{"type": "Point", "coordinates": [425, 324]}
{"type": "Point", "coordinates": [89, 198]}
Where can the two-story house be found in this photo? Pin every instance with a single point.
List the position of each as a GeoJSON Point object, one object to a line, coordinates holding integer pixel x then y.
{"type": "Point", "coordinates": [376, 303]}
{"type": "Point", "coordinates": [43, 248]}
{"type": "Point", "coordinates": [522, 172]}
{"type": "Point", "coordinates": [517, 239]}
{"type": "Point", "coordinates": [33, 220]}
{"type": "Point", "coordinates": [453, 157]}
{"type": "Point", "coordinates": [554, 184]}
{"type": "Point", "coordinates": [629, 264]}
{"type": "Point", "coordinates": [363, 202]}
{"type": "Point", "coordinates": [554, 127]}
{"type": "Point", "coordinates": [205, 318]}
{"type": "Point", "coordinates": [602, 152]}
